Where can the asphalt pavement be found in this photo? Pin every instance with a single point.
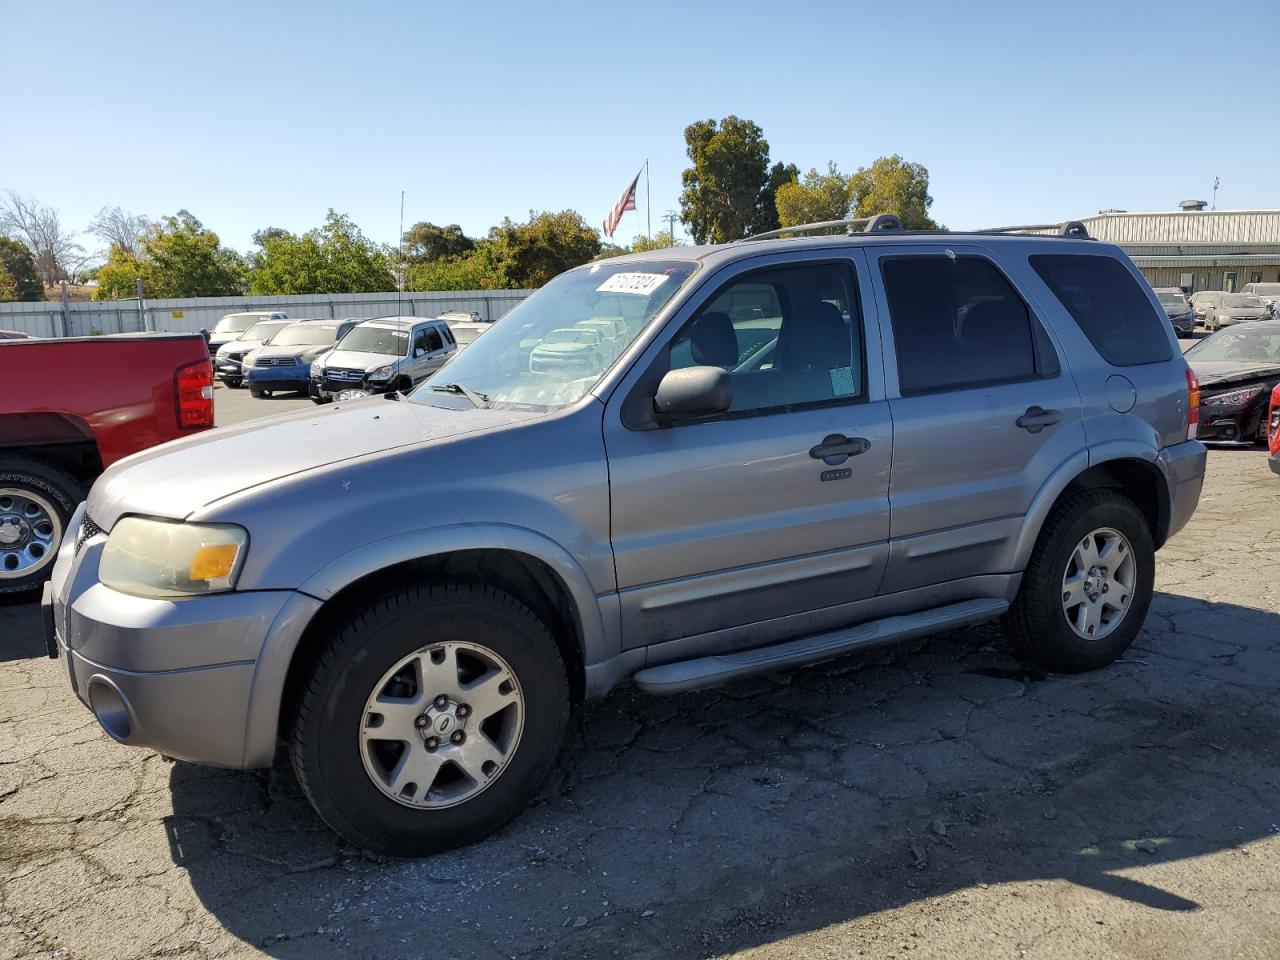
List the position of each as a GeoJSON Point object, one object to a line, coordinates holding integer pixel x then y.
{"type": "Point", "coordinates": [937, 800]}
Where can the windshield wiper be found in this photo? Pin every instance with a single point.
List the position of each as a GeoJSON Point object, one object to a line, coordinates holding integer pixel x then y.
{"type": "Point", "coordinates": [477, 399]}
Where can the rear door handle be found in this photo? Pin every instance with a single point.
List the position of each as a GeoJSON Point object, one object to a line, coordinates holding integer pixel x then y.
{"type": "Point", "coordinates": [836, 448]}
{"type": "Point", "coordinates": [1037, 418]}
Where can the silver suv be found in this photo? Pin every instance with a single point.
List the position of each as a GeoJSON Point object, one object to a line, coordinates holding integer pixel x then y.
{"type": "Point", "coordinates": [790, 450]}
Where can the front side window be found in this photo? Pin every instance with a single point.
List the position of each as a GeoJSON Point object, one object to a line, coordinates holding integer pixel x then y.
{"type": "Point", "coordinates": [1108, 305]}
{"type": "Point", "coordinates": [433, 340]}
{"type": "Point", "coordinates": [546, 353]}
{"type": "Point", "coordinates": [787, 336]}
{"type": "Point", "coordinates": [957, 323]}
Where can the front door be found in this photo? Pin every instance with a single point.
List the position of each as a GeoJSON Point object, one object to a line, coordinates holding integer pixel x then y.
{"type": "Point", "coordinates": [983, 415]}
{"type": "Point", "coordinates": [733, 530]}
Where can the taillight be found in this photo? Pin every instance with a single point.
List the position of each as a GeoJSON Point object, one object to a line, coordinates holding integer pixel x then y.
{"type": "Point", "coordinates": [1193, 404]}
{"type": "Point", "coordinates": [193, 387]}
{"type": "Point", "coordinates": [1273, 430]}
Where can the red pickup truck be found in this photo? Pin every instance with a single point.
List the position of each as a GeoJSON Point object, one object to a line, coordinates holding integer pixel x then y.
{"type": "Point", "coordinates": [71, 408]}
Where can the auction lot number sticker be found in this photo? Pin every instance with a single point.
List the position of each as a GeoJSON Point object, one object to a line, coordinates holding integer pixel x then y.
{"type": "Point", "coordinates": [640, 284]}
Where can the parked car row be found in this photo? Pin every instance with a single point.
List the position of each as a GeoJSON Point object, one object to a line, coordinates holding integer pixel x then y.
{"type": "Point", "coordinates": [1215, 309]}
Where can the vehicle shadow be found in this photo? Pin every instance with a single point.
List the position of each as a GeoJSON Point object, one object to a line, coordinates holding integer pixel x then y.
{"type": "Point", "coordinates": [21, 630]}
{"type": "Point", "coordinates": [732, 818]}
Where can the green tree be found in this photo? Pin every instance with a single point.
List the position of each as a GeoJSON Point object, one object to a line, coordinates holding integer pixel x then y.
{"type": "Point", "coordinates": [333, 258]}
{"type": "Point", "coordinates": [548, 244]}
{"type": "Point", "coordinates": [818, 197]}
{"type": "Point", "coordinates": [478, 270]}
{"type": "Point", "coordinates": [177, 257]}
{"type": "Point", "coordinates": [424, 242]}
{"type": "Point", "coordinates": [16, 259]}
{"type": "Point", "coordinates": [892, 185]}
{"type": "Point", "coordinates": [8, 285]}
{"type": "Point", "coordinates": [659, 241]}
{"type": "Point", "coordinates": [729, 191]}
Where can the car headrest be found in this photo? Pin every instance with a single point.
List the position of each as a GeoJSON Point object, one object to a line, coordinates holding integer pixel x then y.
{"type": "Point", "coordinates": [820, 340]}
{"type": "Point", "coordinates": [713, 341]}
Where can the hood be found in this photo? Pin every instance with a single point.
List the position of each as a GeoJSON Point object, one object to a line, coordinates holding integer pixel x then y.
{"type": "Point", "coordinates": [359, 360]}
{"type": "Point", "coordinates": [1176, 310]}
{"type": "Point", "coordinates": [303, 353]}
{"type": "Point", "coordinates": [1212, 373]}
{"type": "Point", "coordinates": [239, 345]}
{"type": "Point", "coordinates": [176, 479]}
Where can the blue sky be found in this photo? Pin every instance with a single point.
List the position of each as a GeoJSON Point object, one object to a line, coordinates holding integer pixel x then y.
{"type": "Point", "coordinates": [267, 113]}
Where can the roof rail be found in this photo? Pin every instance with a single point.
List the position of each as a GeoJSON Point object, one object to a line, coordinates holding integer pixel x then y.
{"type": "Point", "coordinates": [880, 222]}
{"type": "Point", "coordinates": [1068, 228]}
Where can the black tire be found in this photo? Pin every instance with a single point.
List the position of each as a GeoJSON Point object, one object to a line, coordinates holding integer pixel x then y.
{"type": "Point", "coordinates": [324, 742]}
{"type": "Point", "coordinates": [59, 489]}
{"type": "Point", "coordinates": [1036, 622]}
{"type": "Point", "coordinates": [321, 401]}
{"type": "Point", "coordinates": [259, 394]}
{"type": "Point", "coordinates": [233, 383]}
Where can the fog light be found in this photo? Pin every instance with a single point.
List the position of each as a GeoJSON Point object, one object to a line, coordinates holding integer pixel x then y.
{"type": "Point", "coordinates": [110, 707]}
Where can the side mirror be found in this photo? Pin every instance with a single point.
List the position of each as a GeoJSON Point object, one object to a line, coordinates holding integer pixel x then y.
{"type": "Point", "coordinates": [692, 392]}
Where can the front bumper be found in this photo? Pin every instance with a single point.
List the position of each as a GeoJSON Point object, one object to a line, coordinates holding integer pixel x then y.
{"type": "Point", "coordinates": [228, 369]}
{"type": "Point", "coordinates": [279, 378]}
{"type": "Point", "coordinates": [1273, 462]}
{"type": "Point", "coordinates": [183, 677]}
{"type": "Point", "coordinates": [326, 389]}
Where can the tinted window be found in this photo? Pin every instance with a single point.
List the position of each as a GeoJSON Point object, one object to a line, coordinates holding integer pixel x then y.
{"type": "Point", "coordinates": [1108, 305]}
{"type": "Point", "coordinates": [957, 322]}
{"type": "Point", "coordinates": [787, 336]}
{"type": "Point", "coordinates": [434, 342]}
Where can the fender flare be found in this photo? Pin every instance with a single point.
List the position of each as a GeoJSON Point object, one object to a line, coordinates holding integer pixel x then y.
{"type": "Point", "coordinates": [272, 668]}
{"type": "Point", "coordinates": [1071, 468]}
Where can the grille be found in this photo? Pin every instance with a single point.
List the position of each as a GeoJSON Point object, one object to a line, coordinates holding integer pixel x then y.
{"type": "Point", "coordinates": [345, 376]}
{"type": "Point", "coordinates": [275, 362]}
{"type": "Point", "coordinates": [87, 529]}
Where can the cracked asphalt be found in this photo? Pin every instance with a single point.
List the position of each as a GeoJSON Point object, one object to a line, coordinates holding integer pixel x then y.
{"type": "Point", "coordinates": [938, 800]}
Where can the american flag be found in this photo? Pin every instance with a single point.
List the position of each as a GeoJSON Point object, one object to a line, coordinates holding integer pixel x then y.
{"type": "Point", "coordinates": [625, 202]}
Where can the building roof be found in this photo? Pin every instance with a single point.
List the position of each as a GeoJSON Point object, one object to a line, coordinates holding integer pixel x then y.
{"type": "Point", "coordinates": [1236, 228]}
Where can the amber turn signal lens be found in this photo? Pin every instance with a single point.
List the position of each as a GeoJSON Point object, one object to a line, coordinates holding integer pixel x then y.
{"type": "Point", "coordinates": [213, 562]}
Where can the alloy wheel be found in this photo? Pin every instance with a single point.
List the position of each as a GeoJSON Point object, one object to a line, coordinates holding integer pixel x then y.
{"type": "Point", "coordinates": [1098, 583]}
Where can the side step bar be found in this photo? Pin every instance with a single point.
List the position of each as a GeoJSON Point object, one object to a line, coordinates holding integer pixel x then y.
{"type": "Point", "coordinates": [708, 671]}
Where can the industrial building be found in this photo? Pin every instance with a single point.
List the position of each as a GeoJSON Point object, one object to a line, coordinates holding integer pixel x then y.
{"type": "Point", "coordinates": [1194, 248]}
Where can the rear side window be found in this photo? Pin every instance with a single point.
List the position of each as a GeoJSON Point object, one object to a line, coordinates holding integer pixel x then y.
{"type": "Point", "coordinates": [1108, 305]}
{"type": "Point", "coordinates": [957, 322]}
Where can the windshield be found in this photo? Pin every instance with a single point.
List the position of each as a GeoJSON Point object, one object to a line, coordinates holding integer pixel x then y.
{"type": "Point", "coordinates": [236, 322]}
{"type": "Point", "coordinates": [263, 330]}
{"type": "Point", "coordinates": [522, 359]}
{"type": "Point", "coordinates": [1248, 343]}
{"type": "Point", "coordinates": [1172, 299]}
{"type": "Point", "coordinates": [1240, 300]}
{"type": "Point", "coordinates": [362, 339]}
{"type": "Point", "coordinates": [305, 335]}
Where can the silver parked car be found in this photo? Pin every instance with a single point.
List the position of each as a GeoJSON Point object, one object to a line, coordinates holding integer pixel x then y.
{"type": "Point", "coordinates": [228, 359]}
{"type": "Point", "coordinates": [1200, 301]}
{"type": "Point", "coordinates": [1227, 309]}
{"type": "Point", "coordinates": [381, 356]}
{"type": "Point", "coordinates": [798, 449]}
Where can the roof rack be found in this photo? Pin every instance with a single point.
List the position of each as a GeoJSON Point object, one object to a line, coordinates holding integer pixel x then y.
{"type": "Point", "coordinates": [876, 224]}
{"type": "Point", "coordinates": [1068, 228]}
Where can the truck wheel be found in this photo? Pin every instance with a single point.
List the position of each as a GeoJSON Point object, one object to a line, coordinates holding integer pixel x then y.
{"type": "Point", "coordinates": [1085, 593]}
{"type": "Point", "coordinates": [36, 503]}
{"type": "Point", "coordinates": [430, 719]}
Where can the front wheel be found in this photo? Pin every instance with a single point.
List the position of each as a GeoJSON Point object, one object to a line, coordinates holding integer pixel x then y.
{"type": "Point", "coordinates": [36, 503]}
{"type": "Point", "coordinates": [431, 718]}
{"type": "Point", "coordinates": [1086, 590]}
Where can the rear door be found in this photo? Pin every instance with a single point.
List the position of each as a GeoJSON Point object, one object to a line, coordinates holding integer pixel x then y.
{"type": "Point", "coordinates": [736, 530]}
{"type": "Point", "coordinates": [983, 413]}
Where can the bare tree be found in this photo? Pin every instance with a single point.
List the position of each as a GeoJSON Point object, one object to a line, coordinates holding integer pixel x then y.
{"type": "Point", "coordinates": [40, 228]}
{"type": "Point", "coordinates": [120, 229]}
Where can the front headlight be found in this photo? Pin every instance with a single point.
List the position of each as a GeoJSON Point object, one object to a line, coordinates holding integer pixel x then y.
{"type": "Point", "coordinates": [166, 558]}
{"type": "Point", "coordinates": [383, 373]}
{"type": "Point", "coordinates": [1232, 399]}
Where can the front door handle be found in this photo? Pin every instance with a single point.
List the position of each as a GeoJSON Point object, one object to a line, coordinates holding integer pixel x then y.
{"type": "Point", "coordinates": [1037, 418]}
{"type": "Point", "coordinates": [836, 448]}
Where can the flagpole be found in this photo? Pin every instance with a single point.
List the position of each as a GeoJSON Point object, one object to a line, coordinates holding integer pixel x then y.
{"type": "Point", "coordinates": [648, 215]}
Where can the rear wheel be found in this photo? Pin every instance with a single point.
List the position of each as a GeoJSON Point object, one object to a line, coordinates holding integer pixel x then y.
{"type": "Point", "coordinates": [431, 718]}
{"type": "Point", "coordinates": [36, 503]}
{"type": "Point", "coordinates": [1085, 593]}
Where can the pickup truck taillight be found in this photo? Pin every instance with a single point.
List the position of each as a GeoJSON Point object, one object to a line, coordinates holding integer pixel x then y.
{"type": "Point", "coordinates": [1273, 421]}
{"type": "Point", "coordinates": [193, 387]}
{"type": "Point", "coordinates": [1193, 404]}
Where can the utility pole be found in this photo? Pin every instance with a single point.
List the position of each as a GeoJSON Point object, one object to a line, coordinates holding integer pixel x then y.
{"type": "Point", "coordinates": [1216, 182]}
{"type": "Point", "coordinates": [670, 217]}
{"type": "Point", "coordinates": [648, 204]}
{"type": "Point", "coordinates": [142, 309]}
{"type": "Point", "coordinates": [400, 259]}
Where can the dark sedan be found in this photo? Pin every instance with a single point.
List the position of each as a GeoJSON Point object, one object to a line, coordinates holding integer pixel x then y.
{"type": "Point", "coordinates": [1179, 311]}
{"type": "Point", "coordinates": [1238, 368]}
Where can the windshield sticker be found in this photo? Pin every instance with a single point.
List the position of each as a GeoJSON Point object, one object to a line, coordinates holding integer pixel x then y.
{"type": "Point", "coordinates": [639, 284]}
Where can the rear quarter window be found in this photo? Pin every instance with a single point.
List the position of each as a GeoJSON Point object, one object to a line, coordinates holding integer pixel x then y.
{"type": "Point", "coordinates": [1108, 305]}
